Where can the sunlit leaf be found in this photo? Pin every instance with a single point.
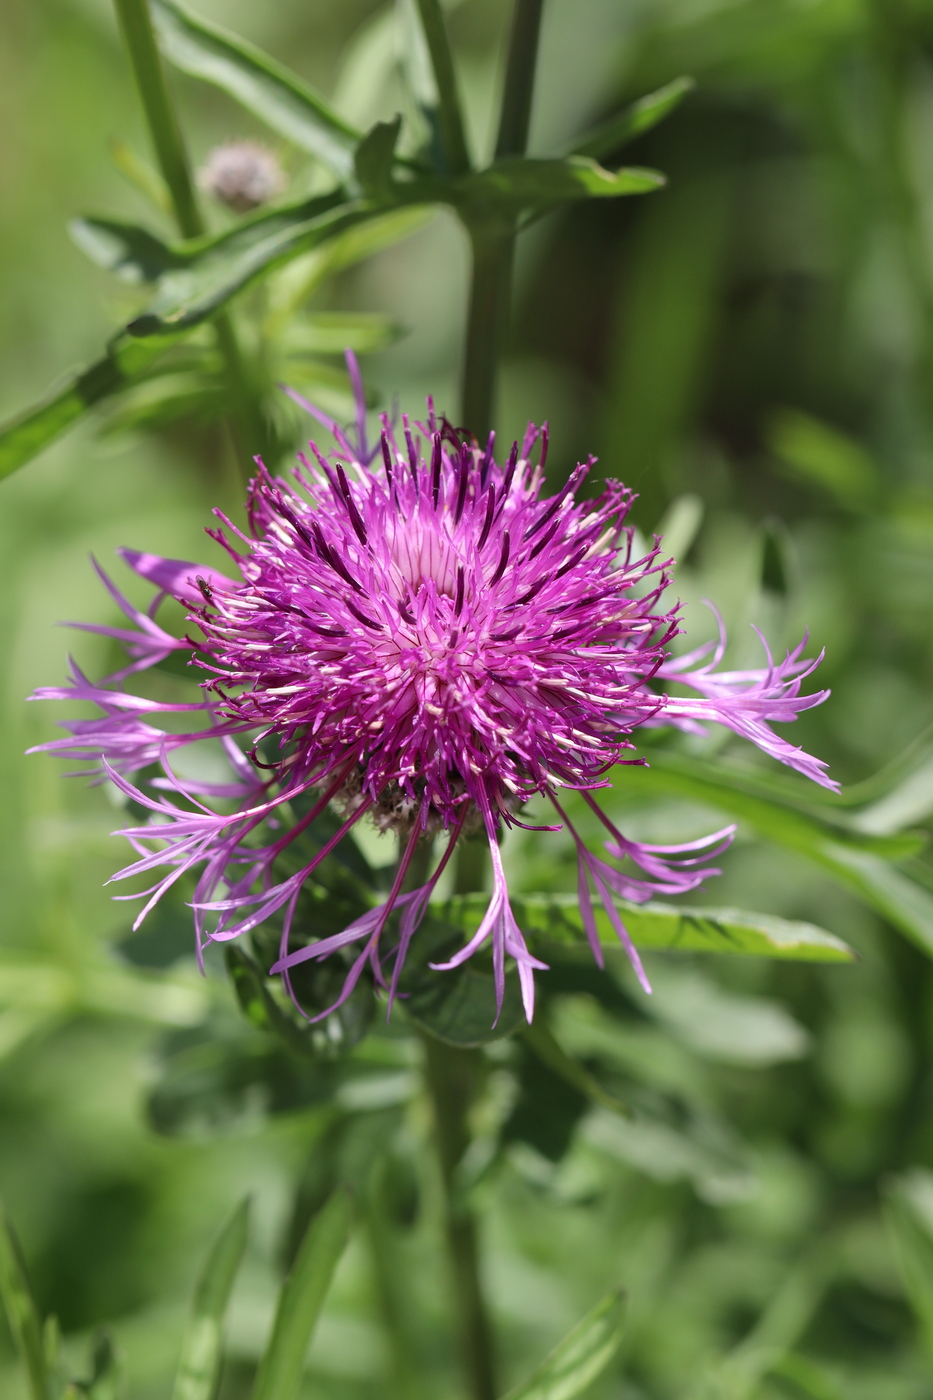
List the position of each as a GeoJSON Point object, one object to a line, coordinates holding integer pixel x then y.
{"type": "Point", "coordinates": [640, 117]}
{"type": "Point", "coordinates": [580, 1357]}
{"type": "Point", "coordinates": [258, 82]}
{"type": "Point", "coordinates": [301, 1299]}
{"type": "Point", "coordinates": [21, 1310]}
{"type": "Point", "coordinates": [557, 918]}
{"type": "Point", "coordinates": [520, 183]}
{"type": "Point", "coordinates": [199, 1365]}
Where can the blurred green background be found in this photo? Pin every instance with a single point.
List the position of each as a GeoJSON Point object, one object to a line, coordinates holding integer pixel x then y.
{"type": "Point", "coordinates": [752, 350]}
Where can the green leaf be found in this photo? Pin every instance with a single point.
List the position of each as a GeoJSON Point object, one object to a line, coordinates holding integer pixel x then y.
{"type": "Point", "coordinates": [374, 157]}
{"type": "Point", "coordinates": [219, 1080]}
{"type": "Point", "coordinates": [459, 1006]}
{"type": "Point", "coordinates": [909, 801]}
{"type": "Point", "coordinates": [126, 359]}
{"type": "Point", "coordinates": [551, 1053]}
{"type": "Point", "coordinates": [104, 1379]}
{"type": "Point", "coordinates": [189, 296]}
{"type": "Point", "coordinates": [823, 456]}
{"type": "Point", "coordinates": [810, 1380]}
{"type": "Point", "coordinates": [132, 253]}
{"type": "Point", "coordinates": [199, 1365]}
{"type": "Point", "coordinates": [556, 918]}
{"type": "Point", "coordinates": [580, 1357]}
{"type": "Point", "coordinates": [859, 861]}
{"type": "Point", "coordinates": [263, 86]}
{"type": "Point", "coordinates": [913, 1247]}
{"type": "Point", "coordinates": [21, 1310]}
{"type": "Point", "coordinates": [640, 117]}
{"type": "Point", "coordinates": [301, 1299]}
{"type": "Point", "coordinates": [518, 183]}
{"type": "Point", "coordinates": [332, 332]}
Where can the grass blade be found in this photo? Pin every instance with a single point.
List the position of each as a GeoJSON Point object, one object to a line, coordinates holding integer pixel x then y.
{"type": "Point", "coordinates": [580, 1357]}
{"type": "Point", "coordinates": [199, 1366]}
{"type": "Point", "coordinates": [301, 1299]}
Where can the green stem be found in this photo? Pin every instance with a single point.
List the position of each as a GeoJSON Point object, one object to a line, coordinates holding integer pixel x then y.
{"type": "Point", "coordinates": [493, 244]}
{"type": "Point", "coordinates": [449, 111]}
{"type": "Point", "coordinates": [452, 1077]}
{"type": "Point", "coordinates": [167, 139]}
{"type": "Point", "coordinates": [518, 92]}
{"type": "Point", "coordinates": [164, 129]}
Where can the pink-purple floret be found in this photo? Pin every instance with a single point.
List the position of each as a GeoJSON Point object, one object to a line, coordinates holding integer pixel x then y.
{"type": "Point", "coordinates": [415, 625]}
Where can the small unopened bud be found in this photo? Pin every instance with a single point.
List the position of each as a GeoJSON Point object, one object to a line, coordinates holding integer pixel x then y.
{"type": "Point", "coordinates": [242, 174]}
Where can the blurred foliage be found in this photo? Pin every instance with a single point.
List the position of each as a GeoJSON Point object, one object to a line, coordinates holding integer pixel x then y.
{"type": "Point", "coordinates": [749, 1152]}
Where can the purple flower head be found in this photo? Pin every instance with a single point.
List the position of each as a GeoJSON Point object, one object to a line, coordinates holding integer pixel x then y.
{"type": "Point", "coordinates": [415, 635]}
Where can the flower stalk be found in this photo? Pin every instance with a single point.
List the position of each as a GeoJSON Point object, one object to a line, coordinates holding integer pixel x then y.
{"type": "Point", "coordinates": [453, 1077]}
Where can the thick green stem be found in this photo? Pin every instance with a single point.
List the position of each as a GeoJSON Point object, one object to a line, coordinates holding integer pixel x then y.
{"type": "Point", "coordinates": [518, 91]}
{"type": "Point", "coordinates": [168, 142]}
{"type": "Point", "coordinates": [453, 1077]}
{"type": "Point", "coordinates": [492, 246]}
{"type": "Point", "coordinates": [449, 111]}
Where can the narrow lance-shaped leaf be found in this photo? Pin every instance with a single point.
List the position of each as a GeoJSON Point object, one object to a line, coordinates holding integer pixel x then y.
{"type": "Point", "coordinates": [859, 861]}
{"type": "Point", "coordinates": [301, 1299]}
{"type": "Point", "coordinates": [557, 918]}
{"type": "Point", "coordinates": [914, 1250]}
{"type": "Point", "coordinates": [192, 295]}
{"type": "Point", "coordinates": [125, 360]}
{"type": "Point", "coordinates": [530, 183]}
{"type": "Point", "coordinates": [580, 1357]}
{"type": "Point", "coordinates": [199, 1365]}
{"type": "Point", "coordinates": [633, 121]}
{"type": "Point", "coordinates": [21, 1310]}
{"type": "Point", "coordinates": [258, 82]}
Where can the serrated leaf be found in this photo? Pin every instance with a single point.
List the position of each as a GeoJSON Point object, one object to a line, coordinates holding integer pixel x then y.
{"type": "Point", "coordinates": [21, 1310]}
{"type": "Point", "coordinates": [557, 918]}
{"type": "Point", "coordinates": [301, 1299]}
{"type": "Point", "coordinates": [258, 82]}
{"type": "Point", "coordinates": [374, 157]}
{"type": "Point", "coordinates": [520, 183]}
{"type": "Point", "coordinates": [130, 252]}
{"type": "Point", "coordinates": [199, 1365]}
{"type": "Point", "coordinates": [126, 359]}
{"type": "Point", "coordinates": [580, 1357]}
{"type": "Point", "coordinates": [640, 117]}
